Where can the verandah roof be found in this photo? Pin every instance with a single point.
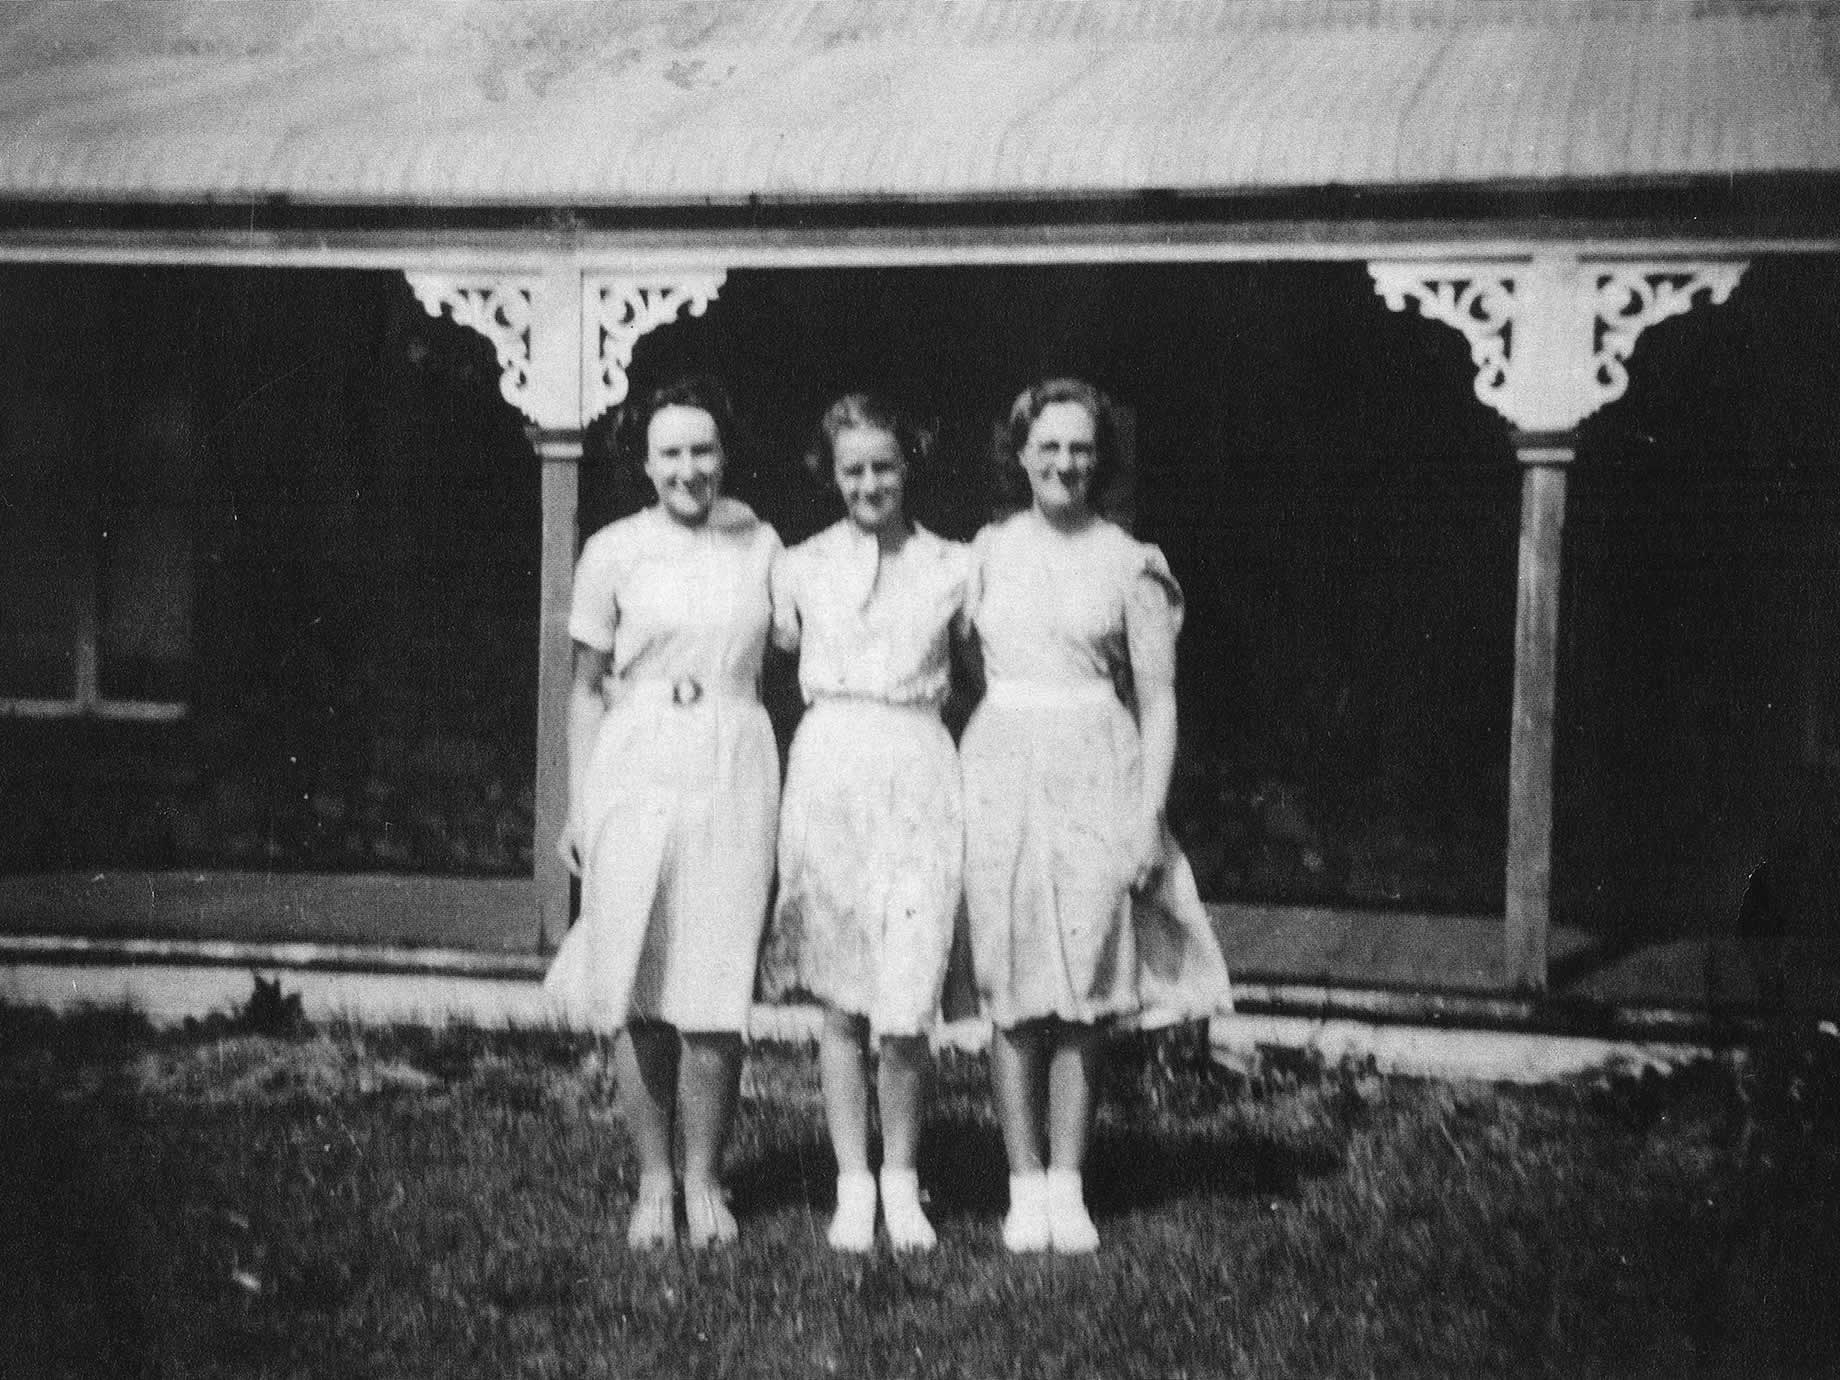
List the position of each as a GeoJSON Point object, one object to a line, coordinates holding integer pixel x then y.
{"type": "Point", "coordinates": [659, 102]}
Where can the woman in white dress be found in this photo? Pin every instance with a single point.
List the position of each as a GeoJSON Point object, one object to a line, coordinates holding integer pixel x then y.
{"type": "Point", "coordinates": [673, 789]}
{"type": "Point", "coordinates": [1082, 910]}
{"type": "Point", "coordinates": [871, 830]}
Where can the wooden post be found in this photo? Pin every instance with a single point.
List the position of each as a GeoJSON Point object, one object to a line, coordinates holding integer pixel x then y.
{"type": "Point", "coordinates": [1550, 337]}
{"type": "Point", "coordinates": [564, 336]}
{"type": "Point", "coordinates": [560, 453]}
{"type": "Point", "coordinates": [1536, 664]}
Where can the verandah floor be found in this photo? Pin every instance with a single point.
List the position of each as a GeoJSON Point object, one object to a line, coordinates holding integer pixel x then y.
{"type": "Point", "coordinates": [1294, 957]}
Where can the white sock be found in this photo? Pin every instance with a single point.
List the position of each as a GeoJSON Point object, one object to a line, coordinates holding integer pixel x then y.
{"type": "Point", "coordinates": [853, 1227]}
{"type": "Point", "coordinates": [908, 1228]}
{"type": "Point", "coordinates": [1026, 1227]}
{"type": "Point", "coordinates": [1070, 1226]}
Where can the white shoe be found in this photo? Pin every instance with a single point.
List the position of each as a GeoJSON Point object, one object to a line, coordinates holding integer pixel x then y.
{"type": "Point", "coordinates": [1026, 1227]}
{"type": "Point", "coordinates": [908, 1229]}
{"type": "Point", "coordinates": [1070, 1227]}
{"type": "Point", "coordinates": [853, 1227]}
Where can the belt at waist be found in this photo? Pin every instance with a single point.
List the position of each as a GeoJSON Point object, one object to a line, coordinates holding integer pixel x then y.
{"type": "Point", "coordinates": [830, 698]}
{"type": "Point", "coordinates": [1050, 694]}
{"type": "Point", "coordinates": [682, 692]}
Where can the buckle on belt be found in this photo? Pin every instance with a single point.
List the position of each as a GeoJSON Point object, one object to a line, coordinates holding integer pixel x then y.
{"type": "Point", "coordinates": [686, 691]}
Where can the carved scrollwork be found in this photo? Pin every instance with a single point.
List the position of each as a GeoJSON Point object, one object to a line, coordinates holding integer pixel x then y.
{"type": "Point", "coordinates": [499, 309]}
{"type": "Point", "coordinates": [1551, 337]}
{"type": "Point", "coordinates": [1478, 302]}
{"type": "Point", "coordinates": [617, 309]}
{"type": "Point", "coordinates": [1631, 298]}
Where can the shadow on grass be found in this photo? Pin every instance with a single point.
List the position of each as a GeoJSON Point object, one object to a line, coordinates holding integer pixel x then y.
{"type": "Point", "coordinates": [963, 1168]}
{"type": "Point", "coordinates": [1163, 1165]}
{"type": "Point", "coordinates": [66, 1208]}
{"type": "Point", "coordinates": [87, 1035]}
{"type": "Point", "coordinates": [1189, 1145]}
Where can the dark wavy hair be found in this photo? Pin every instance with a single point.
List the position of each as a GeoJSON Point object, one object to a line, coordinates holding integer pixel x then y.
{"type": "Point", "coordinates": [1012, 484]}
{"type": "Point", "coordinates": [872, 412]}
{"type": "Point", "coordinates": [700, 391]}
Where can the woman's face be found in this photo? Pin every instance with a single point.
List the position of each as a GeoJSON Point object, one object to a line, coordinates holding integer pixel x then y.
{"type": "Point", "coordinates": [871, 475]}
{"type": "Point", "coordinates": [683, 459]}
{"type": "Point", "coordinates": [1059, 458]}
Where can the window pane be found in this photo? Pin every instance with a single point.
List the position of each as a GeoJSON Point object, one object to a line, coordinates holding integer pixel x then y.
{"type": "Point", "coordinates": [44, 548]}
{"type": "Point", "coordinates": [147, 577]}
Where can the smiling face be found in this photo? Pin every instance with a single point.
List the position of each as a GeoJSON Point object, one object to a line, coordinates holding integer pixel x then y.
{"type": "Point", "coordinates": [1060, 458]}
{"type": "Point", "coordinates": [683, 459]}
{"type": "Point", "coordinates": [871, 474]}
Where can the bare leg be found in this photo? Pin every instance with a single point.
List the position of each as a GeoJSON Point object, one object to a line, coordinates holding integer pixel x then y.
{"type": "Point", "coordinates": [1073, 1080]}
{"type": "Point", "coordinates": [646, 1064]}
{"type": "Point", "coordinates": [843, 1060]}
{"type": "Point", "coordinates": [900, 1088]}
{"type": "Point", "coordinates": [645, 1061]}
{"type": "Point", "coordinates": [901, 1084]}
{"type": "Point", "coordinates": [710, 1079]}
{"type": "Point", "coordinates": [1018, 1077]}
{"type": "Point", "coordinates": [1018, 1073]}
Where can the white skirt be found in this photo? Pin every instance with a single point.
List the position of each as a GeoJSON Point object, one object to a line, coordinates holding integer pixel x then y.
{"type": "Point", "coordinates": [871, 858]}
{"type": "Point", "coordinates": [1052, 780]}
{"type": "Point", "coordinates": [678, 844]}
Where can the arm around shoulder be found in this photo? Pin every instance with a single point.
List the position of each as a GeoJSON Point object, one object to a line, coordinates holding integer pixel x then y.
{"type": "Point", "coordinates": [783, 589]}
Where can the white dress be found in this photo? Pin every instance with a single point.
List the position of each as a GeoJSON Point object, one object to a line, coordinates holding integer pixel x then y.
{"type": "Point", "coordinates": [1053, 775]}
{"type": "Point", "coordinates": [871, 841]}
{"type": "Point", "coordinates": [683, 781]}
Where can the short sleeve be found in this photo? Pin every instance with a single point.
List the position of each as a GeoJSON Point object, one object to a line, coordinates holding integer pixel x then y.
{"type": "Point", "coordinates": [1152, 616]}
{"type": "Point", "coordinates": [783, 585]}
{"type": "Point", "coordinates": [594, 605]}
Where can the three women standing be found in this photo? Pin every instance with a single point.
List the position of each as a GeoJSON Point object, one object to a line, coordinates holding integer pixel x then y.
{"type": "Point", "coordinates": [1082, 912]}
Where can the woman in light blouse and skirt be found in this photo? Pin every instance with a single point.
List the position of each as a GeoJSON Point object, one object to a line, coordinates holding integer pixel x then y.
{"type": "Point", "coordinates": [871, 827]}
{"type": "Point", "coordinates": [673, 788]}
{"type": "Point", "coordinates": [1083, 912]}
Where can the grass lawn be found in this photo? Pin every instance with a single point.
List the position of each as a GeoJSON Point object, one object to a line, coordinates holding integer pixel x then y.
{"type": "Point", "coordinates": [363, 1202]}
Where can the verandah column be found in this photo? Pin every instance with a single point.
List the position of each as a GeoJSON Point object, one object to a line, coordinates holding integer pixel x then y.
{"type": "Point", "coordinates": [564, 336]}
{"type": "Point", "coordinates": [1528, 910]}
{"type": "Point", "coordinates": [1550, 337]}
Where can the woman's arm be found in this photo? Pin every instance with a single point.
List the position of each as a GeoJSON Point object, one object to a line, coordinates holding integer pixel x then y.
{"type": "Point", "coordinates": [783, 593]}
{"type": "Point", "coordinates": [1156, 726]}
{"type": "Point", "coordinates": [586, 710]}
{"type": "Point", "coordinates": [1153, 618]}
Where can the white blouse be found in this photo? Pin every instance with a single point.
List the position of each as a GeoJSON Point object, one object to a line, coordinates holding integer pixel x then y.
{"type": "Point", "coordinates": [868, 625]}
{"type": "Point", "coordinates": [670, 601]}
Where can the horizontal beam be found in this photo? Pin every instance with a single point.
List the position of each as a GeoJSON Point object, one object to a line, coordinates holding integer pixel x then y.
{"type": "Point", "coordinates": [513, 252]}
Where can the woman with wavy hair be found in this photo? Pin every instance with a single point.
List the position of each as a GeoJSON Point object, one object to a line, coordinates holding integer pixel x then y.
{"type": "Point", "coordinates": [1083, 913]}
{"type": "Point", "coordinates": [871, 827]}
{"type": "Point", "coordinates": [673, 790]}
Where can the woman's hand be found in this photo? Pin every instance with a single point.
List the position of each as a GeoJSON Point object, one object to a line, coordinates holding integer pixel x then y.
{"type": "Point", "coordinates": [1147, 854]}
{"type": "Point", "coordinates": [568, 847]}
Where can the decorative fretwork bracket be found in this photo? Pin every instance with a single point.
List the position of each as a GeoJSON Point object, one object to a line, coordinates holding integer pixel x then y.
{"type": "Point", "coordinates": [616, 310]}
{"type": "Point", "coordinates": [564, 338]}
{"type": "Point", "coordinates": [500, 309]}
{"type": "Point", "coordinates": [1551, 338]}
